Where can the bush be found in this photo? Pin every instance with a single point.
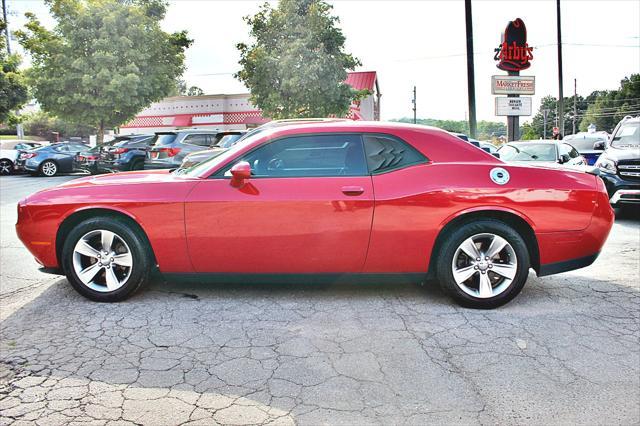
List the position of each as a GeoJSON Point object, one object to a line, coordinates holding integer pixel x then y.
{"type": "Point", "coordinates": [44, 125]}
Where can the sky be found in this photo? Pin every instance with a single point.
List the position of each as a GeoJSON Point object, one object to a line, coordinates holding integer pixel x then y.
{"type": "Point", "coordinates": [423, 43]}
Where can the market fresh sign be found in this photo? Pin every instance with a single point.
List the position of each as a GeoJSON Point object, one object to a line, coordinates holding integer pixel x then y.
{"type": "Point", "coordinates": [513, 85]}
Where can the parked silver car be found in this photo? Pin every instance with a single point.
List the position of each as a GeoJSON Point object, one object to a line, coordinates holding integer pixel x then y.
{"type": "Point", "coordinates": [168, 149]}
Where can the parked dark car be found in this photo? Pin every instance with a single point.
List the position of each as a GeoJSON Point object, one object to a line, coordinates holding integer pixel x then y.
{"type": "Point", "coordinates": [168, 149]}
{"type": "Point", "coordinates": [225, 141]}
{"type": "Point", "coordinates": [51, 159]}
{"type": "Point", "coordinates": [589, 145]}
{"type": "Point", "coordinates": [545, 152]}
{"type": "Point", "coordinates": [619, 164]}
{"type": "Point", "coordinates": [87, 160]}
{"type": "Point", "coordinates": [123, 153]}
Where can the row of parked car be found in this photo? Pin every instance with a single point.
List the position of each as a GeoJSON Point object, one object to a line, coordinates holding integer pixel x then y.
{"type": "Point", "coordinates": [617, 158]}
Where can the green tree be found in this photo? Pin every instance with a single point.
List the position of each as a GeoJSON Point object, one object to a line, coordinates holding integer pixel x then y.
{"type": "Point", "coordinates": [609, 107]}
{"type": "Point", "coordinates": [44, 125]}
{"type": "Point", "coordinates": [296, 65]}
{"type": "Point", "coordinates": [13, 90]}
{"type": "Point", "coordinates": [104, 61]}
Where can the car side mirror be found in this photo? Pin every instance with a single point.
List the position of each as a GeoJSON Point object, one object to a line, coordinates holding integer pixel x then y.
{"type": "Point", "coordinates": [240, 173]}
{"type": "Point", "coordinates": [598, 146]}
{"type": "Point", "coordinates": [564, 158]}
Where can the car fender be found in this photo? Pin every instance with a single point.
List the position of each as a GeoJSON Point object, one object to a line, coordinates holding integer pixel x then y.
{"type": "Point", "coordinates": [485, 208]}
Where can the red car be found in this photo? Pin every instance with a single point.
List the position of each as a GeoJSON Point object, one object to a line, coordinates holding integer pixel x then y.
{"type": "Point", "coordinates": [324, 200]}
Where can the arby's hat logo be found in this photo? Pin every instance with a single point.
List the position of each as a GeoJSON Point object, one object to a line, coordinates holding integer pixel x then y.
{"type": "Point", "coordinates": [514, 52]}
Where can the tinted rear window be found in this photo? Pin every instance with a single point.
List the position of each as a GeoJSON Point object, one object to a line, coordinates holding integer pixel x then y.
{"type": "Point", "coordinates": [164, 139]}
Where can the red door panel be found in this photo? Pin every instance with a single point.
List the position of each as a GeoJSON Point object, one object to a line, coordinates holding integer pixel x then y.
{"type": "Point", "coordinates": [280, 225]}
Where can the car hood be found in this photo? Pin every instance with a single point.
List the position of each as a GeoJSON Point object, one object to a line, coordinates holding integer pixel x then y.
{"type": "Point", "coordinates": [618, 154]}
{"type": "Point", "coordinates": [124, 178]}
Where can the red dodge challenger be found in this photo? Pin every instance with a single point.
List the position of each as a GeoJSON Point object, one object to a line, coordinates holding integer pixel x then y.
{"type": "Point", "coordinates": [367, 201]}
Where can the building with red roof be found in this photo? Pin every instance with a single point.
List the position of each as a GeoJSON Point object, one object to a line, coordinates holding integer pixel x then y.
{"type": "Point", "coordinates": [235, 111]}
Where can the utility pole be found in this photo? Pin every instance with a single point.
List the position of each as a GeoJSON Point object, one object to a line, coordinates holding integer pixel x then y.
{"type": "Point", "coordinates": [545, 114]}
{"type": "Point", "coordinates": [6, 28]}
{"type": "Point", "coordinates": [471, 85]}
{"type": "Point", "coordinates": [560, 95]}
{"type": "Point", "coordinates": [414, 105]}
{"type": "Point", "coordinates": [575, 103]}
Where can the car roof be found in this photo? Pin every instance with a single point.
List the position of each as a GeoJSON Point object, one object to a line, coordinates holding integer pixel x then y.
{"type": "Point", "coordinates": [538, 141]}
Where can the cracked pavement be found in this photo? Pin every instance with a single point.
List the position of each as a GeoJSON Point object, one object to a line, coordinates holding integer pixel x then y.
{"type": "Point", "coordinates": [566, 350]}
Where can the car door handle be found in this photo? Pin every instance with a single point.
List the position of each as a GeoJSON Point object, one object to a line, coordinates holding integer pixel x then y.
{"type": "Point", "coordinates": [352, 190]}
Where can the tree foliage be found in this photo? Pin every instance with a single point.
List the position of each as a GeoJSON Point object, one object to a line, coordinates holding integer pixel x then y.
{"type": "Point", "coordinates": [296, 65]}
{"type": "Point", "coordinates": [486, 129]}
{"type": "Point", "coordinates": [44, 125]}
{"type": "Point", "coordinates": [604, 108]}
{"type": "Point", "coordinates": [104, 61]}
{"type": "Point", "coordinates": [13, 90]}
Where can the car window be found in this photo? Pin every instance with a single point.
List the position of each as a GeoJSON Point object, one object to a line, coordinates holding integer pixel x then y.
{"type": "Point", "coordinates": [161, 139]}
{"type": "Point", "coordinates": [528, 152]}
{"type": "Point", "coordinates": [61, 148]}
{"type": "Point", "coordinates": [228, 141]}
{"type": "Point", "coordinates": [138, 143]}
{"type": "Point", "coordinates": [572, 151]}
{"type": "Point", "coordinates": [200, 140]}
{"type": "Point", "coordinates": [307, 156]}
{"type": "Point", "coordinates": [21, 146]}
{"type": "Point", "coordinates": [385, 153]}
{"type": "Point", "coordinates": [627, 136]}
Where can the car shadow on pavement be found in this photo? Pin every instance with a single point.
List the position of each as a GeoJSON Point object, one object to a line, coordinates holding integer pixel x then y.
{"type": "Point", "coordinates": [309, 353]}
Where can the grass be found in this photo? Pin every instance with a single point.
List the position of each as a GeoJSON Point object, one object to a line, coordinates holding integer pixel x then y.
{"type": "Point", "coordinates": [12, 137]}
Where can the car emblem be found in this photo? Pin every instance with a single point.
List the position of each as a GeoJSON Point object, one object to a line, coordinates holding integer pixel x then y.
{"type": "Point", "coordinates": [499, 175]}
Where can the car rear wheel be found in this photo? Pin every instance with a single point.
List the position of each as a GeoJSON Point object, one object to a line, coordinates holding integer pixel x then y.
{"type": "Point", "coordinates": [49, 168]}
{"type": "Point", "coordinates": [105, 259]}
{"type": "Point", "coordinates": [483, 264]}
{"type": "Point", "coordinates": [6, 167]}
{"type": "Point", "coordinates": [137, 165]}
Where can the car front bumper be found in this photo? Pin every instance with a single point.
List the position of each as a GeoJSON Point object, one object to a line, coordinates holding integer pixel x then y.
{"type": "Point", "coordinates": [621, 191]}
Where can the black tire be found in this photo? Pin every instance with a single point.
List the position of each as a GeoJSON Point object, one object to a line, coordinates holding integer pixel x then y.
{"type": "Point", "coordinates": [137, 165]}
{"type": "Point", "coordinates": [48, 165]}
{"type": "Point", "coordinates": [142, 258]}
{"type": "Point", "coordinates": [449, 248]}
{"type": "Point", "coordinates": [6, 167]}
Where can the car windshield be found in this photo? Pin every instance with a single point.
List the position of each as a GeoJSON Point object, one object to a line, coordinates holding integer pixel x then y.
{"type": "Point", "coordinates": [627, 136]}
{"type": "Point", "coordinates": [198, 168]}
{"type": "Point", "coordinates": [528, 152]}
{"type": "Point", "coordinates": [163, 139]}
{"type": "Point", "coordinates": [228, 141]}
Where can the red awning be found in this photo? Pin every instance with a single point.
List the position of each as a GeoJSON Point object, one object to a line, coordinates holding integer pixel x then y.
{"type": "Point", "coordinates": [361, 80]}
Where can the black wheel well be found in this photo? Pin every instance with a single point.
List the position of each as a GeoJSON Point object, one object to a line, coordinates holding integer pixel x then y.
{"type": "Point", "coordinates": [516, 222]}
{"type": "Point", "coordinates": [70, 222]}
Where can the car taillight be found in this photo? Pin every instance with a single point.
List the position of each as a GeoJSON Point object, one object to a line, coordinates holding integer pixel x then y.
{"type": "Point", "coordinates": [26, 155]}
{"type": "Point", "coordinates": [170, 151]}
{"type": "Point", "coordinates": [118, 151]}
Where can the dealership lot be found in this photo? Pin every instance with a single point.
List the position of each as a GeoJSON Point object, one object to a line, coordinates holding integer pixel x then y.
{"type": "Point", "coordinates": [566, 350]}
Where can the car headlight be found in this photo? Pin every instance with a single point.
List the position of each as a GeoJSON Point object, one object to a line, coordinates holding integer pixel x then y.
{"type": "Point", "coordinates": [605, 165]}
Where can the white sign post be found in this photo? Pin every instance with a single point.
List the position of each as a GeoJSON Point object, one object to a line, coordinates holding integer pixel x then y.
{"type": "Point", "coordinates": [512, 106]}
{"type": "Point", "coordinates": [513, 85]}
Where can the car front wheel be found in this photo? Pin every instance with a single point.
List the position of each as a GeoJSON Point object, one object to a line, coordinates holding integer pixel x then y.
{"type": "Point", "coordinates": [105, 259]}
{"type": "Point", "coordinates": [483, 264]}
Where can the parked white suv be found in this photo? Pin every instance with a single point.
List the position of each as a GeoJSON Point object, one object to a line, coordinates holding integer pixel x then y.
{"type": "Point", "coordinates": [9, 151]}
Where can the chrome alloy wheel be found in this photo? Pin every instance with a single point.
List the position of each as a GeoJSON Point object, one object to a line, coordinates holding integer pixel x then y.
{"type": "Point", "coordinates": [49, 168]}
{"type": "Point", "coordinates": [5, 167]}
{"type": "Point", "coordinates": [484, 265]}
{"type": "Point", "coordinates": [102, 260]}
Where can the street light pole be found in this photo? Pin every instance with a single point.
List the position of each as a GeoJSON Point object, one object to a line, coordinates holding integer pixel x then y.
{"type": "Point", "coordinates": [471, 85]}
{"type": "Point", "coordinates": [414, 105]}
{"type": "Point", "coordinates": [6, 25]}
{"type": "Point", "coordinates": [560, 95]}
{"type": "Point", "coordinates": [545, 114]}
{"type": "Point", "coordinates": [575, 103]}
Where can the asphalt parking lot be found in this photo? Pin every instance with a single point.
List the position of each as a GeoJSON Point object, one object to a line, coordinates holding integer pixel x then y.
{"type": "Point", "coordinates": [567, 350]}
